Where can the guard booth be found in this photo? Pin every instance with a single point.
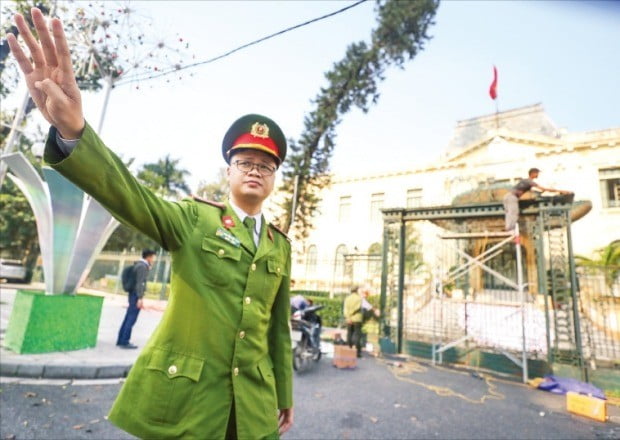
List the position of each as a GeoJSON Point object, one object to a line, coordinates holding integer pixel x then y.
{"type": "Point", "coordinates": [485, 297]}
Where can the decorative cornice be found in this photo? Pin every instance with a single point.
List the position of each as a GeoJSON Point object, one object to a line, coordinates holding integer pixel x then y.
{"type": "Point", "coordinates": [549, 146]}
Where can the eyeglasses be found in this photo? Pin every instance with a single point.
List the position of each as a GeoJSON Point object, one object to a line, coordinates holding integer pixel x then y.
{"type": "Point", "coordinates": [245, 166]}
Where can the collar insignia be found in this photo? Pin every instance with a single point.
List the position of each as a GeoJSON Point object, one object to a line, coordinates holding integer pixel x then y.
{"type": "Point", "coordinates": [228, 222]}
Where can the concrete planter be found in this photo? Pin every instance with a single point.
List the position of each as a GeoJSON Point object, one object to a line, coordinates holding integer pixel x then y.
{"type": "Point", "coordinates": [42, 323]}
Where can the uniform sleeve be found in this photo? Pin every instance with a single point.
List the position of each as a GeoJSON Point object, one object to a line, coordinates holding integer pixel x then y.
{"type": "Point", "coordinates": [280, 341]}
{"type": "Point", "coordinates": [100, 173]}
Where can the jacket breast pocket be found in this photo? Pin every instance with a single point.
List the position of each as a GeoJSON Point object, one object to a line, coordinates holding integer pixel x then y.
{"type": "Point", "coordinates": [220, 260]}
{"type": "Point", "coordinates": [170, 379]}
{"type": "Point", "coordinates": [276, 272]}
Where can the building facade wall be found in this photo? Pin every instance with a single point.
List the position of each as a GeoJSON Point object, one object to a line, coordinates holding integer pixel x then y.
{"type": "Point", "coordinates": [572, 162]}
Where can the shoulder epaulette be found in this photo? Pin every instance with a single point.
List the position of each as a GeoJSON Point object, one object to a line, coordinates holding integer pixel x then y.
{"type": "Point", "coordinates": [280, 231]}
{"type": "Point", "coordinates": [210, 202]}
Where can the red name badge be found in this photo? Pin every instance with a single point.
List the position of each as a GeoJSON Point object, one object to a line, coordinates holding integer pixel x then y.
{"type": "Point", "coordinates": [228, 222]}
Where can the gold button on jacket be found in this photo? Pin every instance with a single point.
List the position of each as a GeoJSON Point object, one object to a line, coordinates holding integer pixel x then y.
{"type": "Point", "coordinates": [181, 385]}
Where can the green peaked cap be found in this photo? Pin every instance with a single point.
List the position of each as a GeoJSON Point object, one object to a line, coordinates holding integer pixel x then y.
{"type": "Point", "coordinates": [255, 132]}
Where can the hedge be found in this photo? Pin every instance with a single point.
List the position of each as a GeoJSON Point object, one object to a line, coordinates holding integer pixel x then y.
{"type": "Point", "coordinates": [308, 293]}
{"type": "Point", "coordinates": [152, 289]}
{"type": "Point", "coordinates": [331, 314]}
{"type": "Point", "coordinates": [332, 311]}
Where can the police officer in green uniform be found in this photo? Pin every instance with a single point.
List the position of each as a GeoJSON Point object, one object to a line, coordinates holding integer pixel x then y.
{"type": "Point", "coordinates": [219, 363]}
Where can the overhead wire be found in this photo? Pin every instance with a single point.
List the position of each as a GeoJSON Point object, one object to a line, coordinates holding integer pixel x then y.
{"type": "Point", "coordinates": [146, 77]}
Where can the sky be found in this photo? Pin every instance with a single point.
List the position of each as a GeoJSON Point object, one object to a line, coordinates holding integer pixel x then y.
{"type": "Point", "coordinates": [563, 55]}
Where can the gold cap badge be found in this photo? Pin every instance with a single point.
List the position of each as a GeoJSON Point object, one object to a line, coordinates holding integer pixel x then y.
{"type": "Point", "coordinates": [260, 130]}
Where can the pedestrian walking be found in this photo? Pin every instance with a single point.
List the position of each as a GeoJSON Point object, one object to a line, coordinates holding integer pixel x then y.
{"type": "Point", "coordinates": [135, 287]}
{"type": "Point", "coordinates": [219, 364]}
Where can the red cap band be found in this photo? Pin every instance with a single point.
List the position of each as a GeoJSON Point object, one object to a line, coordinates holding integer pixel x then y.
{"type": "Point", "coordinates": [247, 140]}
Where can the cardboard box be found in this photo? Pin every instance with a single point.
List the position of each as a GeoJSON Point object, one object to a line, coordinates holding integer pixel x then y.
{"type": "Point", "coordinates": [587, 406]}
{"type": "Point", "coordinates": [344, 357]}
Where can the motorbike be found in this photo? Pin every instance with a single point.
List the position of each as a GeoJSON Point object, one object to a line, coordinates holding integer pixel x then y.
{"type": "Point", "coordinates": [306, 337]}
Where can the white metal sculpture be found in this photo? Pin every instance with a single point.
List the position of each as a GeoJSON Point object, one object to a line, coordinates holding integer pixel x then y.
{"type": "Point", "coordinates": [72, 226]}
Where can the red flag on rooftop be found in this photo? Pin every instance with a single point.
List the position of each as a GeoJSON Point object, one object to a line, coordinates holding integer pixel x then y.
{"type": "Point", "coordinates": [493, 88]}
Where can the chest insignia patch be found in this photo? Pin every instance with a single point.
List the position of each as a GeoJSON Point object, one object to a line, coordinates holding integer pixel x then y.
{"type": "Point", "coordinates": [227, 236]}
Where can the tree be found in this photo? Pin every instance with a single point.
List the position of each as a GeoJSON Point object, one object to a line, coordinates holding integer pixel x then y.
{"type": "Point", "coordinates": [216, 190]}
{"type": "Point", "coordinates": [607, 258]}
{"type": "Point", "coordinates": [103, 41]}
{"type": "Point", "coordinates": [353, 82]}
{"type": "Point", "coordinates": [165, 178]}
{"type": "Point", "coordinates": [18, 229]}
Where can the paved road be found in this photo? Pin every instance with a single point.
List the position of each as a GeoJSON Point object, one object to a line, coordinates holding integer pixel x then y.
{"type": "Point", "coordinates": [57, 411]}
{"type": "Point", "coordinates": [374, 401]}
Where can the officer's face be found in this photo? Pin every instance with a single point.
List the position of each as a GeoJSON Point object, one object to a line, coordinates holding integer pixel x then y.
{"type": "Point", "coordinates": [251, 186]}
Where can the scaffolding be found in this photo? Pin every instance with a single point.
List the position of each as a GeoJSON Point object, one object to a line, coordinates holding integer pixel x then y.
{"type": "Point", "coordinates": [438, 348]}
{"type": "Point", "coordinates": [426, 318]}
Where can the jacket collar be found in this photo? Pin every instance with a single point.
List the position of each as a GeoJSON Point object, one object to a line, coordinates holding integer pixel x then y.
{"type": "Point", "coordinates": [265, 243]}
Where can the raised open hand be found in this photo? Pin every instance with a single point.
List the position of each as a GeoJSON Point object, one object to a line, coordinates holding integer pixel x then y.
{"type": "Point", "coordinates": [49, 76]}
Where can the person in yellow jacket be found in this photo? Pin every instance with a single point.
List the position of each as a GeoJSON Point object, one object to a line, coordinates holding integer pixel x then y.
{"type": "Point", "coordinates": [354, 317]}
{"type": "Point", "coordinates": [219, 363]}
{"type": "Point", "coordinates": [355, 309]}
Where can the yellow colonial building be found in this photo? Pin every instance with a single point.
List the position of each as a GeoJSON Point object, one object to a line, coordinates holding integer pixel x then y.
{"type": "Point", "coordinates": [484, 151]}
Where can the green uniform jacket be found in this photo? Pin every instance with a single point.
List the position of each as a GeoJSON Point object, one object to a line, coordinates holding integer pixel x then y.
{"type": "Point", "coordinates": [225, 332]}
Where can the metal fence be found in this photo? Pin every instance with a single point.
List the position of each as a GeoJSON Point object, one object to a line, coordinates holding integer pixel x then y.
{"type": "Point", "coordinates": [599, 308]}
{"type": "Point", "coordinates": [458, 302]}
{"type": "Point", "coordinates": [338, 275]}
{"type": "Point", "coordinates": [432, 311]}
{"type": "Point", "coordinates": [438, 313]}
{"type": "Point", "coordinates": [335, 276]}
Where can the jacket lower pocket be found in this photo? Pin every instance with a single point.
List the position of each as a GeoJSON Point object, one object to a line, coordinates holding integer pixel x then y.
{"type": "Point", "coordinates": [168, 382]}
{"type": "Point", "coordinates": [270, 401]}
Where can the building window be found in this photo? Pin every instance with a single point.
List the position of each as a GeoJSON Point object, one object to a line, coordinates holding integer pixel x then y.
{"type": "Point", "coordinates": [414, 198]}
{"type": "Point", "coordinates": [344, 209]}
{"type": "Point", "coordinates": [340, 261]}
{"type": "Point", "coordinates": [311, 261]}
{"type": "Point", "coordinates": [610, 187]}
{"type": "Point", "coordinates": [376, 203]}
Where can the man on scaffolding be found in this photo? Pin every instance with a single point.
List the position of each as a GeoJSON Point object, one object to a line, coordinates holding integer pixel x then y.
{"type": "Point", "coordinates": [511, 199]}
